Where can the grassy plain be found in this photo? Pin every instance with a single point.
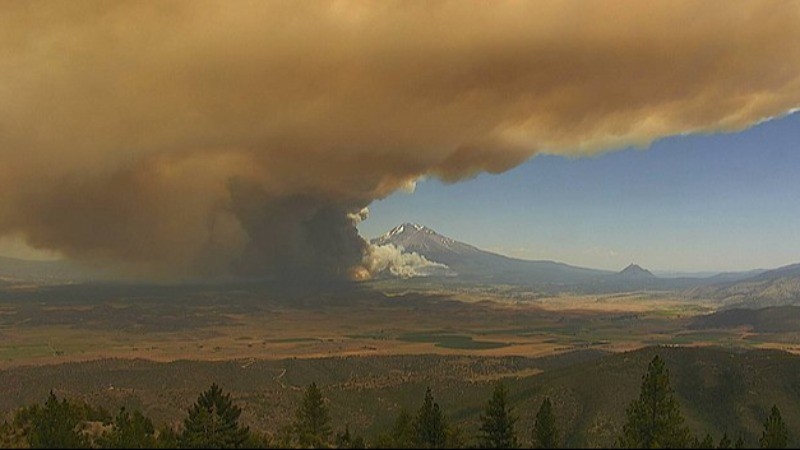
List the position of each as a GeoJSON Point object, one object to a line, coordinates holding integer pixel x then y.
{"type": "Point", "coordinates": [375, 347]}
{"type": "Point", "coordinates": [63, 324]}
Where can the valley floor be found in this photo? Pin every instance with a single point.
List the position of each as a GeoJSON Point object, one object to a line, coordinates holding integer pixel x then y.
{"type": "Point", "coordinates": [375, 351]}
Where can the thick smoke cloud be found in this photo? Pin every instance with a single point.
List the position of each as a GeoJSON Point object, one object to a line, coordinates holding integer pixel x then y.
{"type": "Point", "coordinates": [389, 259]}
{"type": "Point", "coordinates": [201, 138]}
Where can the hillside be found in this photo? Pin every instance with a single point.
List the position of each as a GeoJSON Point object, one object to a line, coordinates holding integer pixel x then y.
{"type": "Point", "coordinates": [776, 287]}
{"type": "Point", "coordinates": [719, 390]}
{"type": "Point", "coordinates": [778, 319]}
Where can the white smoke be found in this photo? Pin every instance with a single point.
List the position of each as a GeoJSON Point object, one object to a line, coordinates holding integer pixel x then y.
{"type": "Point", "coordinates": [392, 260]}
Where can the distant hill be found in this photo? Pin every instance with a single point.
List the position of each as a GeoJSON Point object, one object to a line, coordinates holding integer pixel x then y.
{"type": "Point", "coordinates": [735, 276]}
{"type": "Point", "coordinates": [790, 271]}
{"type": "Point", "coordinates": [472, 263]}
{"type": "Point", "coordinates": [775, 287]}
{"type": "Point", "coordinates": [777, 319]}
{"type": "Point", "coordinates": [634, 271]}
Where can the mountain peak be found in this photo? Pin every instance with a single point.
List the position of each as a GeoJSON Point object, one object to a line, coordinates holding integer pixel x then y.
{"type": "Point", "coordinates": [419, 238]}
{"type": "Point", "coordinates": [405, 227]}
{"type": "Point", "coordinates": [635, 271]}
{"type": "Point", "coordinates": [409, 229]}
{"type": "Point", "coordinates": [472, 263]}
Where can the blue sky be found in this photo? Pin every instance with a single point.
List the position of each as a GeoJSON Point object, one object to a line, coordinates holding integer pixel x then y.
{"type": "Point", "coordinates": [689, 203]}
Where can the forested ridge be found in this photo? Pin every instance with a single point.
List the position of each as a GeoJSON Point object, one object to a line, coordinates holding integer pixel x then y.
{"type": "Point", "coordinates": [653, 420]}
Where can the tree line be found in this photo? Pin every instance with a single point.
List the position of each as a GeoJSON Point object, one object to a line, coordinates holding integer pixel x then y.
{"type": "Point", "coordinates": [653, 420]}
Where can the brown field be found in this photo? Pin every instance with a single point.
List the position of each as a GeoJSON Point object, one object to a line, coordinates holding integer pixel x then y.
{"type": "Point", "coordinates": [486, 323]}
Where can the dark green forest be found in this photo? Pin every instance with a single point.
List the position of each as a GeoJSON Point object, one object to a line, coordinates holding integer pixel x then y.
{"type": "Point", "coordinates": [653, 420]}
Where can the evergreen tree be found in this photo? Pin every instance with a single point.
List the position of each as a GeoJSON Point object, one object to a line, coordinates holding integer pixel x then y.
{"type": "Point", "coordinates": [455, 437]}
{"type": "Point", "coordinates": [129, 431]}
{"type": "Point", "coordinates": [90, 413]}
{"type": "Point", "coordinates": [166, 437]}
{"type": "Point", "coordinates": [11, 436]}
{"type": "Point", "coordinates": [724, 441]}
{"type": "Point", "coordinates": [545, 433]}
{"type": "Point", "coordinates": [739, 442]}
{"type": "Point", "coordinates": [6, 435]}
{"type": "Point", "coordinates": [430, 424]}
{"type": "Point", "coordinates": [775, 434]}
{"type": "Point", "coordinates": [285, 437]}
{"type": "Point", "coordinates": [497, 421]}
{"type": "Point", "coordinates": [213, 422]}
{"type": "Point", "coordinates": [707, 442]}
{"type": "Point", "coordinates": [401, 435]}
{"type": "Point", "coordinates": [56, 425]}
{"type": "Point", "coordinates": [312, 421]}
{"type": "Point", "coordinates": [344, 438]}
{"type": "Point", "coordinates": [258, 440]}
{"type": "Point", "coordinates": [403, 430]}
{"type": "Point", "coordinates": [347, 440]}
{"type": "Point", "coordinates": [655, 420]}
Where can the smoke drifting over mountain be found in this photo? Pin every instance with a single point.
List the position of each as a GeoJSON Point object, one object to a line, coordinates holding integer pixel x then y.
{"type": "Point", "coordinates": [204, 138]}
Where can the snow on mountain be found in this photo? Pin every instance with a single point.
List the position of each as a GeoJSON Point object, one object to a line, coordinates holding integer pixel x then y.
{"type": "Point", "coordinates": [471, 262]}
{"type": "Point", "coordinates": [418, 238]}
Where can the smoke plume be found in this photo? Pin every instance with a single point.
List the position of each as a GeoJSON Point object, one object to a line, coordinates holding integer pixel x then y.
{"type": "Point", "coordinates": [242, 137]}
{"type": "Point", "coordinates": [392, 260]}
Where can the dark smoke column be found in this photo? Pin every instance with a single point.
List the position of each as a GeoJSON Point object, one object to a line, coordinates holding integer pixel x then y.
{"type": "Point", "coordinates": [296, 238]}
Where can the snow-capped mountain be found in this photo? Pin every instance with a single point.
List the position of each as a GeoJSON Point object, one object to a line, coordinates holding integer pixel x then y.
{"type": "Point", "coordinates": [470, 262]}
{"type": "Point", "coordinates": [418, 238]}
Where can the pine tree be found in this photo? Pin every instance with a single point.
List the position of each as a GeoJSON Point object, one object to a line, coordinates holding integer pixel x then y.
{"type": "Point", "coordinates": [775, 434]}
{"type": "Point", "coordinates": [455, 437]}
{"type": "Point", "coordinates": [166, 437]}
{"type": "Point", "coordinates": [402, 434]}
{"type": "Point", "coordinates": [430, 424]}
{"type": "Point", "coordinates": [56, 425]}
{"type": "Point", "coordinates": [312, 421]}
{"type": "Point", "coordinates": [258, 440]}
{"type": "Point", "coordinates": [497, 421]}
{"type": "Point", "coordinates": [655, 420]}
{"type": "Point", "coordinates": [11, 437]}
{"type": "Point", "coordinates": [130, 431]}
{"type": "Point", "coordinates": [545, 433]}
{"type": "Point", "coordinates": [347, 440]}
{"type": "Point", "coordinates": [707, 442]}
{"type": "Point", "coordinates": [344, 438]}
{"type": "Point", "coordinates": [285, 437]}
{"type": "Point", "coordinates": [724, 441]}
{"type": "Point", "coordinates": [213, 422]}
